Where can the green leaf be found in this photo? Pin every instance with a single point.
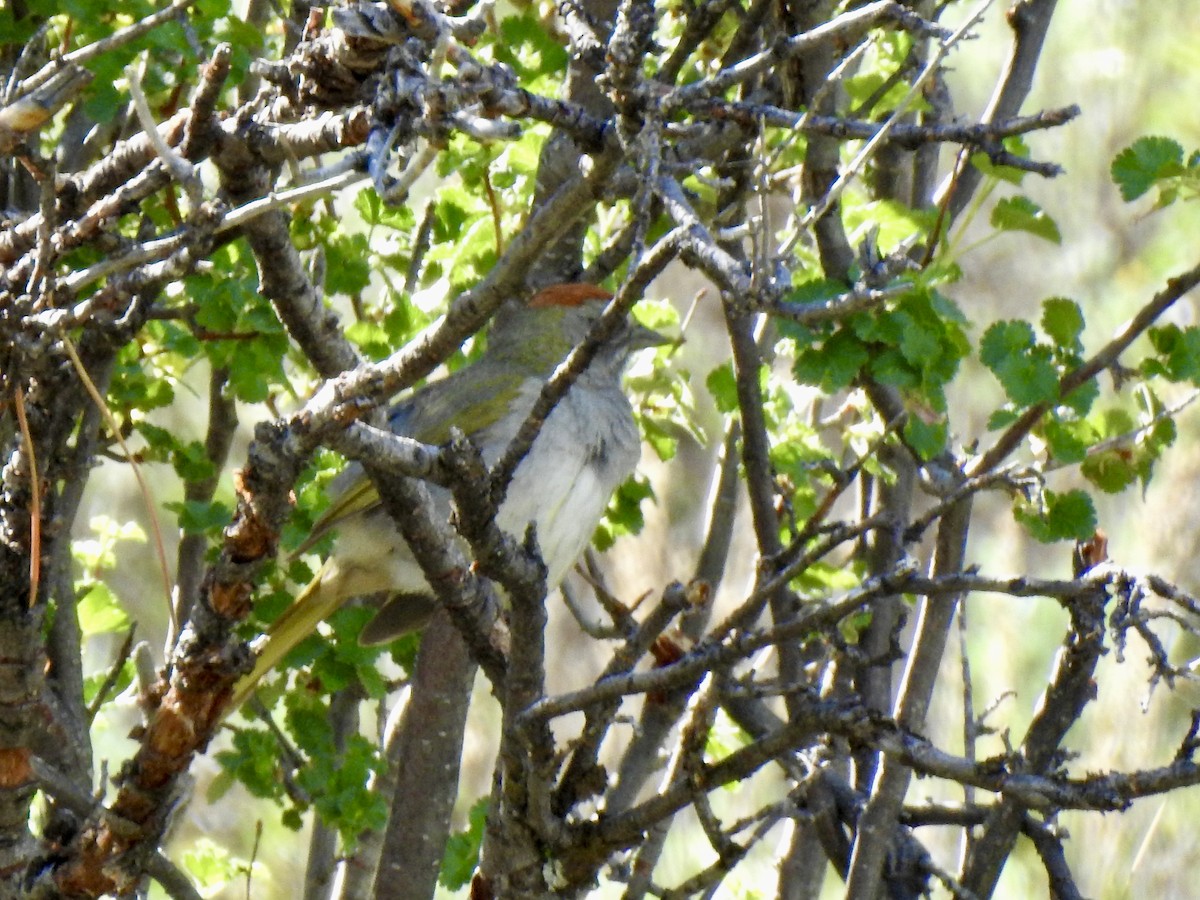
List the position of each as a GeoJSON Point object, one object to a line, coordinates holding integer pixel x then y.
{"type": "Point", "coordinates": [307, 717]}
{"type": "Point", "coordinates": [816, 292]}
{"type": "Point", "coordinates": [199, 517]}
{"type": "Point", "coordinates": [462, 848]}
{"type": "Point", "coordinates": [104, 100]}
{"type": "Point", "coordinates": [254, 761]}
{"type": "Point", "coordinates": [191, 461]}
{"type": "Point", "coordinates": [1066, 440]}
{"type": "Point", "coordinates": [662, 436]}
{"type": "Point", "coordinates": [254, 367]}
{"type": "Point", "coordinates": [1147, 160]}
{"type": "Point", "coordinates": [890, 367]}
{"type": "Point", "coordinates": [889, 222]}
{"type": "Point", "coordinates": [212, 866]}
{"type": "Point", "coordinates": [1001, 418]}
{"type": "Point", "coordinates": [1081, 399]}
{"type": "Point", "coordinates": [529, 48]}
{"type": "Point", "coordinates": [624, 514]}
{"type": "Point", "coordinates": [132, 385]}
{"type": "Point", "coordinates": [1161, 435]}
{"type": "Point", "coordinates": [174, 338]}
{"type": "Point", "coordinates": [369, 337]}
{"type": "Point", "coordinates": [1067, 516]}
{"type": "Point", "coordinates": [98, 554]}
{"type": "Point", "coordinates": [1023, 367]}
{"type": "Point", "coordinates": [1113, 422]}
{"type": "Point", "coordinates": [724, 738]}
{"type": "Point", "coordinates": [347, 264]}
{"type": "Point", "coordinates": [823, 578]}
{"type": "Point", "coordinates": [374, 211]}
{"type": "Point", "coordinates": [722, 384]}
{"type": "Point", "coordinates": [14, 30]}
{"type": "Point", "coordinates": [1014, 145]}
{"type": "Point", "coordinates": [1180, 348]}
{"type": "Point", "coordinates": [337, 783]}
{"type": "Point", "coordinates": [920, 339]}
{"type": "Point", "coordinates": [92, 683]}
{"type": "Point", "coordinates": [1111, 471]}
{"type": "Point", "coordinates": [1004, 340]}
{"type": "Point", "coordinates": [799, 456]}
{"type": "Point", "coordinates": [1062, 320]}
{"type": "Point", "coordinates": [834, 365]}
{"type": "Point", "coordinates": [659, 315]}
{"type": "Point", "coordinates": [346, 660]}
{"type": "Point", "coordinates": [928, 439]}
{"type": "Point", "coordinates": [1133, 459]}
{"type": "Point", "coordinates": [100, 612]}
{"type": "Point", "coordinates": [1022, 214]}
{"type": "Point", "coordinates": [863, 87]}
{"type": "Point", "coordinates": [663, 403]}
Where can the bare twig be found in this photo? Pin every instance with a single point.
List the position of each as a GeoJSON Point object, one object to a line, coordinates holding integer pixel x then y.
{"type": "Point", "coordinates": [35, 498]}
{"type": "Point", "coordinates": [117, 39]}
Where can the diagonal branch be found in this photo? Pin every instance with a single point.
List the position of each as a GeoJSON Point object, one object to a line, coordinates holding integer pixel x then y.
{"type": "Point", "coordinates": [1103, 359]}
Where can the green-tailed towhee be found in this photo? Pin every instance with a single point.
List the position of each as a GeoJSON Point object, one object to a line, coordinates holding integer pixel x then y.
{"type": "Point", "coordinates": [588, 445]}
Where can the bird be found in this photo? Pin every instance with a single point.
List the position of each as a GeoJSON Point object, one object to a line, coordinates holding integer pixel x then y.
{"type": "Point", "coordinates": [587, 447]}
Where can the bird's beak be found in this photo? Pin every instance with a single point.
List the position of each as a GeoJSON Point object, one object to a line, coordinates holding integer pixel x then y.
{"type": "Point", "coordinates": [642, 338]}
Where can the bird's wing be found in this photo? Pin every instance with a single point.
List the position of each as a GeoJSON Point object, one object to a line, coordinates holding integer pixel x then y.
{"type": "Point", "coordinates": [472, 398]}
{"type": "Point", "coordinates": [315, 603]}
{"type": "Point", "coordinates": [358, 496]}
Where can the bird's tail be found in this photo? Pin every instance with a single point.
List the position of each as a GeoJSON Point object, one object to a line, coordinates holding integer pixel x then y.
{"type": "Point", "coordinates": [316, 602]}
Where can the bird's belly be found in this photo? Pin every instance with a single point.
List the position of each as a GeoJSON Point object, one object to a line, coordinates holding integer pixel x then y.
{"type": "Point", "coordinates": [372, 557]}
{"type": "Point", "coordinates": [564, 507]}
{"type": "Point", "coordinates": [564, 485]}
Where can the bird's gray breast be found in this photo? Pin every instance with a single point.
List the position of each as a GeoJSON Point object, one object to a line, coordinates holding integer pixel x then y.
{"type": "Point", "coordinates": [609, 434]}
{"type": "Point", "coordinates": [592, 425]}
{"type": "Point", "coordinates": [588, 445]}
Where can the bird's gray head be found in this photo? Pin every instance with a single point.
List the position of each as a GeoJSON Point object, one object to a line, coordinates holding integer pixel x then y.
{"type": "Point", "coordinates": [559, 317]}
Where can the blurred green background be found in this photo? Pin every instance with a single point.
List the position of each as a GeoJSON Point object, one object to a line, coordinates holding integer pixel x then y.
{"type": "Point", "coordinates": [1134, 68]}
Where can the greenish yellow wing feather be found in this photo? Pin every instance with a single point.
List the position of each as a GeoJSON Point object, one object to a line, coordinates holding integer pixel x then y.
{"type": "Point", "coordinates": [428, 416]}
{"type": "Point", "coordinates": [315, 604]}
{"type": "Point", "coordinates": [358, 497]}
{"type": "Point", "coordinates": [473, 399]}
